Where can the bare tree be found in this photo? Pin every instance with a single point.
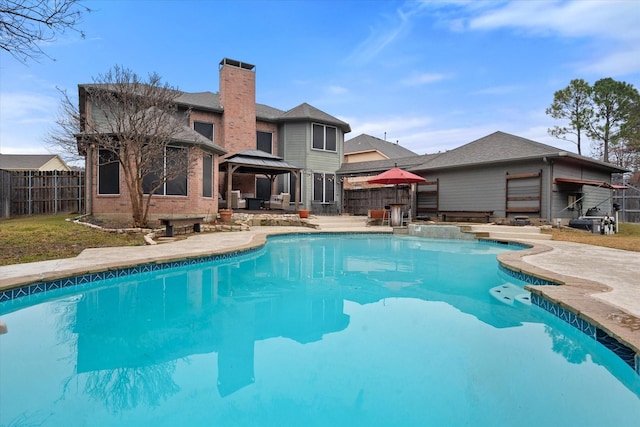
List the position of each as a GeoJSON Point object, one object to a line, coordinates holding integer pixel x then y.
{"type": "Point", "coordinates": [134, 123]}
{"type": "Point", "coordinates": [25, 24]}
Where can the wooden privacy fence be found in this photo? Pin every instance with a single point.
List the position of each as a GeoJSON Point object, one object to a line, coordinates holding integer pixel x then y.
{"type": "Point", "coordinates": [36, 193]}
{"type": "Point", "coordinates": [358, 202]}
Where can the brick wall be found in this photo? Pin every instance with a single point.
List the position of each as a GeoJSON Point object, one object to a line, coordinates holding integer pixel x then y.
{"type": "Point", "coordinates": [238, 99]}
{"type": "Point", "coordinates": [118, 207]}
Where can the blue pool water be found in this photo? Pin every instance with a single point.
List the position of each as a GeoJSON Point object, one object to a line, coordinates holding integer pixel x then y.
{"type": "Point", "coordinates": [358, 330]}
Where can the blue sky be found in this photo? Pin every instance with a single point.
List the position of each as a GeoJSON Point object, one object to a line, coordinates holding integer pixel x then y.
{"type": "Point", "coordinates": [431, 75]}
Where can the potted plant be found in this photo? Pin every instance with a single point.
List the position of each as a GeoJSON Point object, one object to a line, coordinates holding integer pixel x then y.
{"type": "Point", "coordinates": [225, 215]}
{"type": "Point", "coordinates": [303, 213]}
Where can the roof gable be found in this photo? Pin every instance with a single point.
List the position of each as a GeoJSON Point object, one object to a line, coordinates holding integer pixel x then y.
{"type": "Point", "coordinates": [501, 147]}
{"type": "Point", "coordinates": [310, 113]}
{"type": "Point", "coordinates": [364, 143]}
{"type": "Point", "coordinates": [32, 162]}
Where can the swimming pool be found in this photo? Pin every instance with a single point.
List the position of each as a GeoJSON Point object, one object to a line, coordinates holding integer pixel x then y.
{"type": "Point", "coordinates": [309, 330]}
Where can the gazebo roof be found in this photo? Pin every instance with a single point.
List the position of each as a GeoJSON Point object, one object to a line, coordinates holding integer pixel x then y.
{"type": "Point", "coordinates": [256, 161]}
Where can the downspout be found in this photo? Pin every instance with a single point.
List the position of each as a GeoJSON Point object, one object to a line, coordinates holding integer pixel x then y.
{"type": "Point", "coordinates": [550, 196]}
{"type": "Point", "coordinates": [89, 181]}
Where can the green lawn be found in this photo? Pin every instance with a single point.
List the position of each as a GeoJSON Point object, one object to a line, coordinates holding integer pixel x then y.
{"type": "Point", "coordinates": [44, 237]}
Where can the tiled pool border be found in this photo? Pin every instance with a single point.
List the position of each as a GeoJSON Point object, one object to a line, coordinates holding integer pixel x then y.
{"type": "Point", "coordinates": [624, 352]}
{"type": "Point", "coordinates": [85, 280]}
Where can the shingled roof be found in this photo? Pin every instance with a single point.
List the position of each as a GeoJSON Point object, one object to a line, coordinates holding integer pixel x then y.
{"type": "Point", "coordinates": [375, 166]}
{"type": "Point", "coordinates": [503, 147]}
{"type": "Point", "coordinates": [309, 112]}
{"type": "Point", "coordinates": [32, 162]}
{"type": "Point", "coordinates": [366, 143]}
{"type": "Point", "coordinates": [494, 148]}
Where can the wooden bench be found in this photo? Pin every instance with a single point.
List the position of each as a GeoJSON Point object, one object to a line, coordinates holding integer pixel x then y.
{"type": "Point", "coordinates": [191, 221]}
{"type": "Point", "coordinates": [467, 214]}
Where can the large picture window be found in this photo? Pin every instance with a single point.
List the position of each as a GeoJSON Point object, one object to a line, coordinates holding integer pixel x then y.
{"type": "Point", "coordinates": [108, 172]}
{"type": "Point", "coordinates": [264, 141]}
{"type": "Point", "coordinates": [324, 187]}
{"type": "Point", "coordinates": [325, 137]}
{"type": "Point", "coordinates": [204, 129]}
{"type": "Point", "coordinates": [168, 176]}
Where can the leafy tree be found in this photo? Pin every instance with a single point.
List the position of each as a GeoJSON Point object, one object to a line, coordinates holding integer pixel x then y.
{"type": "Point", "coordinates": [573, 104]}
{"type": "Point", "coordinates": [614, 103]}
{"type": "Point", "coordinates": [133, 122]}
{"type": "Point", "coordinates": [25, 24]}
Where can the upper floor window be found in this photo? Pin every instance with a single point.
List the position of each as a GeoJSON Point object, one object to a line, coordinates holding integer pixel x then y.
{"type": "Point", "coordinates": [325, 137]}
{"type": "Point", "coordinates": [264, 142]}
{"type": "Point", "coordinates": [204, 129]}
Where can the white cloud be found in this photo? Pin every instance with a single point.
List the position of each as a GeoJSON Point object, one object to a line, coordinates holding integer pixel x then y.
{"type": "Point", "coordinates": [610, 27]}
{"type": "Point", "coordinates": [423, 79]}
{"type": "Point", "coordinates": [337, 90]}
{"type": "Point", "coordinates": [25, 121]}
{"type": "Point", "coordinates": [385, 33]}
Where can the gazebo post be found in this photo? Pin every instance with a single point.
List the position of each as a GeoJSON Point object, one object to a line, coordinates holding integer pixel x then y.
{"type": "Point", "coordinates": [298, 183]}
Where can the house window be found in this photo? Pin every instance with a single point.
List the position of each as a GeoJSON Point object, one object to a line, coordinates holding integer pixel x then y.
{"type": "Point", "coordinates": [108, 172]}
{"type": "Point", "coordinates": [264, 141]}
{"type": "Point", "coordinates": [207, 175]}
{"type": "Point", "coordinates": [168, 167]}
{"type": "Point", "coordinates": [204, 129]}
{"type": "Point", "coordinates": [323, 187]}
{"type": "Point", "coordinates": [325, 137]}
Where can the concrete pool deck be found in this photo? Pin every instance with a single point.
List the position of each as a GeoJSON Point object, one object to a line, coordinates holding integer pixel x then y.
{"type": "Point", "coordinates": [600, 284]}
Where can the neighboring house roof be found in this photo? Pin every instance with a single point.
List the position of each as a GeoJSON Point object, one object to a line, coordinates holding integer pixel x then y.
{"type": "Point", "coordinates": [365, 143]}
{"type": "Point", "coordinates": [503, 147]}
{"type": "Point", "coordinates": [32, 162]}
{"type": "Point", "coordinates": [310, 113]}
{"type": "Point", "coordinates": [375, 166]}
{"type": "Point", "coordinates": [494, 148]}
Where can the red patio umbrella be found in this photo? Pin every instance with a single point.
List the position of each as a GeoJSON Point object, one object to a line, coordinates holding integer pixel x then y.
{"type": "Point", "coordinates": [396, 176]}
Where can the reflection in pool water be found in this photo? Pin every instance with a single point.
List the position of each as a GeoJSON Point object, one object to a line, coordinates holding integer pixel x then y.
{"type": "Point", "coordinates": [315, 330]}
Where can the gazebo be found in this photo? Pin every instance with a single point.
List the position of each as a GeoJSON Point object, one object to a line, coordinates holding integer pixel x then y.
{"type": "Point", "coordinates": [259, 162]}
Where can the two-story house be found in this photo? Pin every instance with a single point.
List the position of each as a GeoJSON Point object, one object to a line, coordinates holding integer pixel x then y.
{"type": "Point", "coordinates": [239, 145]}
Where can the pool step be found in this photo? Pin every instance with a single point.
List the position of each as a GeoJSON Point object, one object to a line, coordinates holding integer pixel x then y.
{"type": "Point", "coordinates": [510, 294]}
{"type": "Point", "coordinates": [506, 232]}
{"type": "Point", "coordinates": [339, 222]}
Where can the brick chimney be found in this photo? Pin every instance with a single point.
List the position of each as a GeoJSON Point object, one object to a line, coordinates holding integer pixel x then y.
{"type": "Point", "coordinates": [238, 99]}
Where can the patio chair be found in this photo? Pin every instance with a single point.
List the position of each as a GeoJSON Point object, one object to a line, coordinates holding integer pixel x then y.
{"type": "Point", "coordinates": [222, 203]}
{"type": "Point", "coordinates": [236, 201]}
{"type": "Point", "coordinates": [386, 216]}
{"type": "Point", "coordinates": [279, 201]}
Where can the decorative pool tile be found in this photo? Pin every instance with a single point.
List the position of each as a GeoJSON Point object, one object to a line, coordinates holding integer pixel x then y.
{"type": "Point", "coordinates": [622, 351]}
{"type": "Point", "coordinates": [86, 280]}
{"type": "Point", "coordinates": [527, 278]}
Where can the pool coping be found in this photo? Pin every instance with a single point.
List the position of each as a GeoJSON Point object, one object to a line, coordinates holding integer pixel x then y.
{"type": "Point", "coordinates": [572, 301]}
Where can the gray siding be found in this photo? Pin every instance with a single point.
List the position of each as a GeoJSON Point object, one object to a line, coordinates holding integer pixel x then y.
{"type": "Point", "coordinates": [295, 142]}
{"type": "Point", "coordinates": [479, 189]}
{"type": "Point", "coordinates": [592, 195]}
